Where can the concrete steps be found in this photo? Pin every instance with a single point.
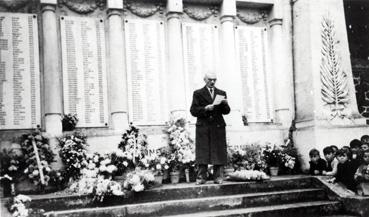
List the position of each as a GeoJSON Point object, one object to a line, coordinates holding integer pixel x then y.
{"type": "Point", "coordinates": [281, 196]}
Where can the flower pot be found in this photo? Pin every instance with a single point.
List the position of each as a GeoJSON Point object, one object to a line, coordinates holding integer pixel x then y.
{"type": "Point", "coordinates": [158, 179]}
{"type": "Point", "coordinates": [187, 174]}
{"type": "Point", "coordinates": [119, 178]}
{"type": "Point", "coordinates": [174, 177]}
{"type": "Point", "coordinates": [273, 171]}
{"type": "Point", "coordinates": [228, 171]}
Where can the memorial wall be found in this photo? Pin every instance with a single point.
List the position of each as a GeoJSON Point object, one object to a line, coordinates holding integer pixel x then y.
{"type": "Point", "coordinates": [84, 45]}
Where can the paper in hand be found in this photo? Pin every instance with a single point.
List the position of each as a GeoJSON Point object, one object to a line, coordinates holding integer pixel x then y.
{"type": "Point", "coordinates": [218, 99]}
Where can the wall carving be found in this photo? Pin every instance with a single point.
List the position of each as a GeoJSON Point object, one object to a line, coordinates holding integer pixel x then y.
{"type": "Point", "coordinates": [200, 12]}
{"type": "Point", "coordinates": [14, 5]}
{"type": "Point", "coordinates": [334, 81]}
{"type": "Point", "coordinates": [251, 16]}
{"type": "Point", "coordinates": [144, 8]}
{"type": "Point", "coordinates": [83, 6]}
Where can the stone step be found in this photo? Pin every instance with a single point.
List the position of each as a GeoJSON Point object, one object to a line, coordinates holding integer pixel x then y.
{"type": "Point", "coordinates": [177, 192]}
{"type": "Point", "coordinates": [170, 207]}
{"type": "Point", "coordinates": [303, 209]}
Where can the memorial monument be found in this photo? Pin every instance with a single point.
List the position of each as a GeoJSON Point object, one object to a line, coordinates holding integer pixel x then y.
{"type": "Point", "coordinates": [119, 61]}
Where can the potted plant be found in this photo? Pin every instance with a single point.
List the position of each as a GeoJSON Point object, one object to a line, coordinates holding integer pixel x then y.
{"type": "Point", "coordinates": [273, 156]}
{"type": "Point", "coordinates": [69, 122]}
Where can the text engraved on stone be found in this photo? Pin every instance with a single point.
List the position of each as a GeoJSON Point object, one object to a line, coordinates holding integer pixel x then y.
{"type": "Point", "coordinates": [200, 53]}
{"type": "Point", "coordinates": [84, 70]}
{"type": "Point", "coordinates": [19, 71]}
{"type": "Point", "coordinates": [251, 44]}
{"type": "Point", "coordinates": [146, 71]}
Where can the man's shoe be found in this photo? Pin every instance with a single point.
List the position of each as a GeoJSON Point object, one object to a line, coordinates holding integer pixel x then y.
{"type": "Point", "coordinates": [218, 181]}
{"type": "Point", "coordinates": [200, 181]}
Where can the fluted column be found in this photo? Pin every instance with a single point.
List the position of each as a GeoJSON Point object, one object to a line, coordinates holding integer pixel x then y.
{"type": "Point", "coordinates": [282, 89]}
{"type": "Point", "coordinates": [177, 99]}
{"type": "Point", "coordinates": [52, 74]}
{"type": "Point", "coordinates": [118, 93]}
{"type": "Point", "coordinates": [230, 76]}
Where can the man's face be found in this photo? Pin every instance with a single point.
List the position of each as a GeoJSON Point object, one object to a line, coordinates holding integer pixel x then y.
{"type": "Point", "coordinates": [366, 157]}
{"type": "Point", "coordinates": [210, 80]}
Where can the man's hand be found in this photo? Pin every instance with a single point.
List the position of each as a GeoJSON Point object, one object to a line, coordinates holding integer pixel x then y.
{"type": "Point", "coordinates": [224, 101]}
{"type": "Point", "coordinates": [316, 172]}
{"type": "Point", "coordinates": [209, 107]}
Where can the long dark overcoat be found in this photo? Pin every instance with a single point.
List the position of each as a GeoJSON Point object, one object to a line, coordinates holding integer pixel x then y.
{"type": "Point", "coordinates": [211, 147]}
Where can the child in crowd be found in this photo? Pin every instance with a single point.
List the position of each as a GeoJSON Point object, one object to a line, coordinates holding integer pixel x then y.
{"type": "Point", "coordinates": [365, 139]}
{"type": "Point", "coordinates": [365, 146]}
{"type": "Point", "coordinates": [345, 170]}
{"type": "Point", "coordinates": [317, 165]}
{"type": "Point", "coordinates": [335, 149]}
{"type": "Point", "coordinates": [355, 147]}
{"type": "Point", "coordinates": [362, 175]}
{"type": "Point", "coordinates": [330, 157]}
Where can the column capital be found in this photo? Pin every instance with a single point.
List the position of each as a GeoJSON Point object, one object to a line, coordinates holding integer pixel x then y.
{"type": "Point", "coordinates": [173, 15]}
{"type": "Point", "coordinates": [114, 4]}
{"type": "Point", "coordinates": [228, 8]}
{"type": "Point", "coordinates": [48, 5]}
{"type": "Point", "coordinates": [174, 6]}
{"type": "Point", "coordinates": [275, 21]}
{"type": "Point", "coordinates": [112, 12]}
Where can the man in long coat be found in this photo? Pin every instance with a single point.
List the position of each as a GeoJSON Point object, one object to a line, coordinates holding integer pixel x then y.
{"type": "Point", "coordinates": [211, 145]}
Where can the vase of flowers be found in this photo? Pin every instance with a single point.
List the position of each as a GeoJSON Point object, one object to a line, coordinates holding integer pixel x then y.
{"type": "Point", "coordinates": [273, 170]}
{"type": "Point", "coordinates": [69, 122]}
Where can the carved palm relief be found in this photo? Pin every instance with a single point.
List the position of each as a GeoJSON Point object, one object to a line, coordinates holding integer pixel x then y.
{"type": "Point", "coordinates": [334, 80]}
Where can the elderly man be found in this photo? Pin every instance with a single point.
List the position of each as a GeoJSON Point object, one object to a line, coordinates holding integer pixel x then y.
{"type": "Point", "coordinates": [211, 145]}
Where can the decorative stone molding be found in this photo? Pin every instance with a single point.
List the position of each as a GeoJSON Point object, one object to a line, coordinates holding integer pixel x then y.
{"type": "Point", "coordinates": [144, 8]}
{"type": "Point", "coordinates": [14, 4]}
{"type": "Point", "coordinates": [200, 12]}
{"type": "Point", "coordinates": [83, 6]}
{"type": "Point", "coordinates": [334, 81]}
{"type": "Point", "coordinates": [251, 16]}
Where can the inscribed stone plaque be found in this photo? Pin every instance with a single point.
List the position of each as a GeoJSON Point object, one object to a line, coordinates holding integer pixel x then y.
{"type": "Point", "coordinates": [251, 46]}
{"type": "Point", "coordinates": [146, 71]}
{"type": "Point", "coordinates": [84, 70]}
{"type": "Point", "coordinates": [19, 71]}
{"type": "Point", "coordinates": [201, 54]}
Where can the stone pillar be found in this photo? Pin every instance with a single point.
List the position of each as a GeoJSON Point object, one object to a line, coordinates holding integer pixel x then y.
{"type": "Point", "coordinates": [118, 78]}
{"type": "Point", "coordinates": [51, 68]}
{"type": "Point", "coordinates": [230, 75]}
{"type": "Point", "coordinates": [281, 76]}
{"type": "Point", "coordinates": [326, 108]}
{"type": "Point", "coordinates": [177, 94]}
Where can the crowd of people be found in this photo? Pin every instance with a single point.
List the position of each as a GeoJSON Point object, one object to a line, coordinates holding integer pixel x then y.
{"type": "Point", "coordinates": [348, 166]}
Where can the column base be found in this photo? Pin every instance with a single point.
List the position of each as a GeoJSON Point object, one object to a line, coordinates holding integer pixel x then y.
{"type": "Point", "coordinates": [53, 124]}
{"type": "Point", "coordinates": [320, 134]}
{"type": "Point", "coordinates": [119, 121]}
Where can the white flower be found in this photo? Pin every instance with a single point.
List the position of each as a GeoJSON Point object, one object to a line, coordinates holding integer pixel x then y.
{"type": "Point", "coordinates": [125, 163]}
{"type": "Point", "coordinates": [163, 160]}
{"type": "Point", "coordinates": [158, 167]}
{"type": "Point", "coordinates": [166, 167]}
{"type": "Point", "coordinates": [138, 187]}
{"type": "Point", "coordinates": [35, 173]}
{"type": "Point", "coordinates": [111, 168]}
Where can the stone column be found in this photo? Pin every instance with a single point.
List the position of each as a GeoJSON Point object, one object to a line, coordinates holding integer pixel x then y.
{"type": "Point", "coordinates": [118, 93]}
{"type": "Point", "coordinates": [230, 75]}
{"type": "Point", "coordinates": [177, 95]}
{"type": "Point", "coordinates": [51, 69]}
{"type": "Point", "coordinates": [281, 76]}
{"type": "Point", "coordinates": [326, 108]}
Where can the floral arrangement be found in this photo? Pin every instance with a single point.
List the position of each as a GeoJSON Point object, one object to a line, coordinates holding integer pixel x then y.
{"type": "Point", "coordinates": [134, 146]}
{"type": "Point", "coordinates": [69, 122]}
{"type": "Point", "coordinates": [139, 180]}
{"type": "Point", "coordinates": [157, 162]}
{"type": "Point", "coordinates": [245, 175]}
{"type": "Point", "coordinates": [37, 161]}
{"type": "Point", "coordinates": [247, 157]}
{"type": "Point", "coordinates": [73, 154]}
{"type": "Point", "coordinates": [19, 207]}
{"type": "Point", "coordinates": [106, 187]}
{"type": "Point", "coordinates": [279, 156]}
{"type": "Point", "coordinates": [11, 164]}
{"type": "Point", "coordinates": [182, 149]}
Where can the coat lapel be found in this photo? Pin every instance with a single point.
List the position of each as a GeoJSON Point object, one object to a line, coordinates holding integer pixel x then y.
{"type": "Point", "coordinates": [206, 95]}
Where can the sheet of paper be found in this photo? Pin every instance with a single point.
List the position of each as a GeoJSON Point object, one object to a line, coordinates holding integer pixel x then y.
{"type": "Point", "coordinates": [218, 99]}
